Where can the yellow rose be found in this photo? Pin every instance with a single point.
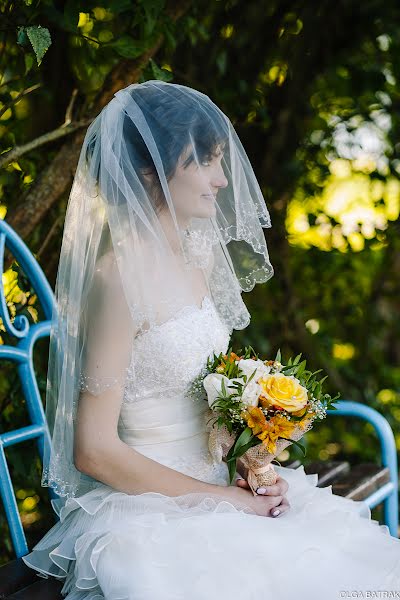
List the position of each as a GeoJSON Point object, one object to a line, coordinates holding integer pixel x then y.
{"type": "Point", "coordinates": [282, 391]}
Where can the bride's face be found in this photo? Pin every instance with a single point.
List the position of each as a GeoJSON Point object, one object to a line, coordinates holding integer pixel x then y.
{"type": "Point", "coordinates": [194, 188]}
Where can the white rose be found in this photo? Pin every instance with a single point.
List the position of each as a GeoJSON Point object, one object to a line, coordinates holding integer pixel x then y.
{"type": "Point", "coordinates": [213, 386]}
{"type": "Point", "coordinates": [251, 393]}
{"type": "Point", "coordinates": [248, 366]}
{"type": "Point", "coordinates": [252, 389]}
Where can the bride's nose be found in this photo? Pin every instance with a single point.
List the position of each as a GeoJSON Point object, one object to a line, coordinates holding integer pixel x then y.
{"type": "Point", "coordinates": [218, 179]}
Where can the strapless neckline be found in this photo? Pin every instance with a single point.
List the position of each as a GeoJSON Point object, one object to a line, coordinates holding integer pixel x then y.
{"type": "Point", "coordinates": [205, 305]}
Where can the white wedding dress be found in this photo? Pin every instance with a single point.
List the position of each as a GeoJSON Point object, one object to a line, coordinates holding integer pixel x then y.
{"type": "Point", "coordinates": [112, 545]}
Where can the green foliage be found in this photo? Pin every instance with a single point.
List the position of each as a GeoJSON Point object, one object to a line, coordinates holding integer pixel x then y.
{"type": "Point", "coordinates": [312, 384]}
{"type": "Point", "coordinates": [300, 86]}
{"type": "Point", "coordinates": [39, 37]}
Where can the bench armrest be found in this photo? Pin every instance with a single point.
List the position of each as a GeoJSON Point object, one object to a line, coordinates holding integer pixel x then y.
{"type": "Point", "coordinates": [379, 423]}
{"type": "Point", "coordinates": [388, 451]}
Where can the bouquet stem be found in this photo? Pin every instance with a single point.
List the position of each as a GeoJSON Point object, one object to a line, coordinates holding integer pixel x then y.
{"type": "Point", "coordinates": [261, 476]}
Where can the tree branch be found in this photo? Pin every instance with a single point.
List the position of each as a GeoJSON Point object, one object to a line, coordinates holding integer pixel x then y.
{"type": "Point", "coordinates": [70, 107]}
{"type": "Point", "coordinates": [60, 132]}
{"type": "Point", "coordinates": [56, 179]}
{"type": "Point", "coordinates": [51, 184]}
{"type": "Point", "coordinates": [20, 95]}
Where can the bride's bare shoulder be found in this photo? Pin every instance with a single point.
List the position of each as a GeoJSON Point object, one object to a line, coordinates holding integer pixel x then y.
{"type": "Point", "coordinates": [107, 267]}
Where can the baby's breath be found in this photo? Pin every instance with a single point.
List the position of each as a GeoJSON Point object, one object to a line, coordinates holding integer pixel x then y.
{"type": "Point", "coordinates": [196, 389]}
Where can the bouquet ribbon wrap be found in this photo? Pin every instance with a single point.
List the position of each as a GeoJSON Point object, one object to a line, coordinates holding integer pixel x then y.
{"type": "Point", "coordinates": [257, 477]}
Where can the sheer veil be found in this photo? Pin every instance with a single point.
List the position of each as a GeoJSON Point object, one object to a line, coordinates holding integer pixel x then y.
{"type": "Point", "coordinates": [164, 210]}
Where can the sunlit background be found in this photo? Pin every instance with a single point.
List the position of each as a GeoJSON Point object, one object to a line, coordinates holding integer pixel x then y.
{"type": "Point", "coordinates": [314, 97]}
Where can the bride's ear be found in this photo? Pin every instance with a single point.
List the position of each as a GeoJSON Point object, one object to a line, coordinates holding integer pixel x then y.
{"type": "Point", "coordinates": [150, 181]}
{"type": "Point", "coordinates": [149, 176]}
{"type": "Point", "coordinates": [152, 185]}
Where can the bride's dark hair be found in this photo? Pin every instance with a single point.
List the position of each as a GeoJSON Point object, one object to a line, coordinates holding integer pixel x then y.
{"type": "Point", "coordinates": [177, 122]}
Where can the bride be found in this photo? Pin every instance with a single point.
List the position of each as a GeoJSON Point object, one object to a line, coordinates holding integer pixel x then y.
{"type": "Point", "coordinates": [163, 233]}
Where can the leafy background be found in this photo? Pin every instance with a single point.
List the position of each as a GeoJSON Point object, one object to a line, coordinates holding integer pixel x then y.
{"type": "Point", "coordinates": [312, 90]}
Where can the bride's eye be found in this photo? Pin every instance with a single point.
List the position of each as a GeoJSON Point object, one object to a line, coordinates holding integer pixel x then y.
{"type": "Point", "coordinates": [206, 162]}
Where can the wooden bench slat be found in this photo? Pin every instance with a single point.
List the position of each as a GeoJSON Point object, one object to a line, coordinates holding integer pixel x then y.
{"type": "Point", "coordinates": [327, 471]}
{"type": "Point", "coordinates": [14, 576]}
{"type": "Point", "coordinates": [362, 481]}
{"type": "Point", "coordinates": [44, 589]}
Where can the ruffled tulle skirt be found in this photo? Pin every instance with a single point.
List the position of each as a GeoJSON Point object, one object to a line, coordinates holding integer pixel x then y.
{"type": "Point", "coordinates": [113, 545]}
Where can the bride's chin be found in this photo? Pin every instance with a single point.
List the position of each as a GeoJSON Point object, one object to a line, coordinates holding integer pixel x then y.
{"type": "Point", "coordinates": [205, 212]}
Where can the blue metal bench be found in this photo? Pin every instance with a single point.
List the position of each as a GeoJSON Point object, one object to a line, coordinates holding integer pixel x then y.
{"type": "Point", "coordinates": [22, 354]}
{"type": "Point", "coordinates": [388, 493]}
{"type": "Point", "coordinates": [15, 577]}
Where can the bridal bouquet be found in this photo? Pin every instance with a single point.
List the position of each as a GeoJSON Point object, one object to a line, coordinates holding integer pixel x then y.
{"type": "Point", "coordinates": [259, 408]}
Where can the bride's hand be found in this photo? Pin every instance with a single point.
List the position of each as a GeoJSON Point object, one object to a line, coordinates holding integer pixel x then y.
{"type": "Point", "coordinates": [263, 505]}
{"type": "Point", "coordinates": [278, 490]}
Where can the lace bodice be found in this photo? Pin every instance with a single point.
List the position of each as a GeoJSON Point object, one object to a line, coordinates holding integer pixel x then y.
{"type": "Point", "coordinates": [158, 415]}
{"type": "Point", "coordinates": [168, 357]}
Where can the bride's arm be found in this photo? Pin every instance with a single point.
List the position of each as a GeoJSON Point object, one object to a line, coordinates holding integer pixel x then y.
{"type": "Point", "coordinates": [100, 453]}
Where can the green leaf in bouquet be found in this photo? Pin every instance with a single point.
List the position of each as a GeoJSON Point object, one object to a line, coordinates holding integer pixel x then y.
{"type": "Point", "coordinates": [289, 370]}
{"type": "Point", "coordinates": [251, 376]}
{"type": "Point", "coordinates": [300, 369]}
{"type": "Point", "coordinates": [316, 372]}
{"type": "Point", "coordinates": [255, 441]}
{"type": "Point", "coordinates": [230, 453]}
{"type": "Point", "coordinates": [329, 401]}
{"type": "Point", "coordinates": [278, 356]}
{"type": "Point", "coordinates": [297, 359]}
{"type": "Point", "coordinates": [231, 368]}
{"type": "Point", "coordinates": [243, 438]}
{"type": "Point", "coordinates": [307, 378]}
{"type": "Point", "coordinates": [300, 417]}
{"type": "Point", "coordinates": [231, 470]}
{"type": "Point", "coordinates": [213, 362]}
{"type": "Point", "coordinates": [223, 388]}
{"type": "Point", "coordinates": [253, 352]}
{"type": "Point", "coordinates": [302, 448]}
{"type": "Point", "coordinates": [323, 379]}
{"type": "Point", "coordinates": [238, 386]}
{"type": "Point", "coordinates": [235, 384]}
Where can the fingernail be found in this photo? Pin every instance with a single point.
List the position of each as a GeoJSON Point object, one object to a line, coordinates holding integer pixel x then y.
{"type": "Point", "coordinates": [276, 513]}
{"type": "Point", "coordinates": [261, 490]}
